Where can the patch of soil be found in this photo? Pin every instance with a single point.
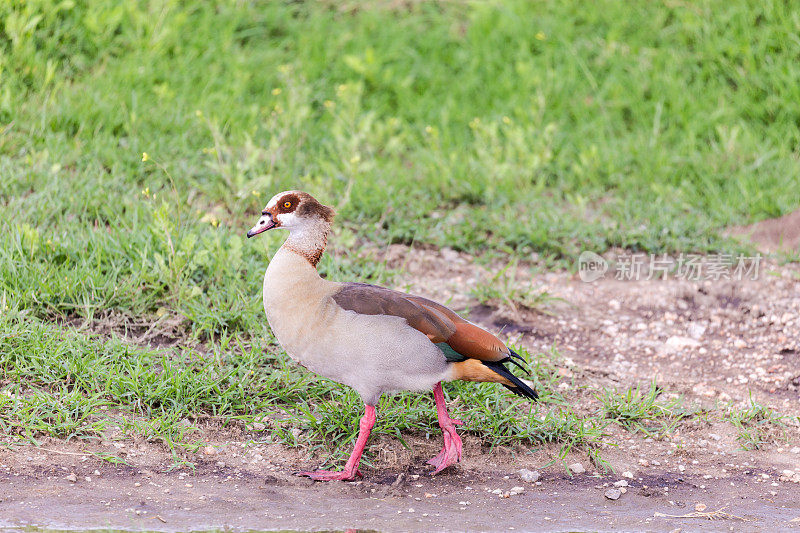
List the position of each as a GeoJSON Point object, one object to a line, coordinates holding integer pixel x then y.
{"type": "Point", "coordinates": [716, 341]}
{"type": "Point", "coordinates": [774, 234]}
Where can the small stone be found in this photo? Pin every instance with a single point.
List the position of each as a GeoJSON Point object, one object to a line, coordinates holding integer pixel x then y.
{"type": "Point", "coordinates": [449, 255]}
{"type": "Point", "coordinates": [621, 483]}
{"type": "Point", "coordinates": [796, 449]}
{"type": "Point", "coordinates": [72, 478]}
{"type": "Point", "coordinates": [497, 491]}
{"type": "Point", "coordinates": [529, 476]}
{"type": "Point", "coordinates": [516, 490]}
{"type": "Point", "coordinates": [695, 330]}
{"type": "Point", "coordinates": [700, 507]}
{"type": "Point", "coordinates": [258, 426]}
{"type": "Point", "coordinates": [679, 343]}
{"type": "Point", "coordinates": [613, 494]}
{"type": "Point", "coordinates": [209, 450]}
{"type": "Point", "coordinates": [577, 468]}
{"type": "Point", "coordinates": [627, 474]}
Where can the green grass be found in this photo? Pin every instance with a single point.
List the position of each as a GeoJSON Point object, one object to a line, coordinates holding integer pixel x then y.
{"type": "Point", "coordinates": [70, 385]}
{"type": "Point", "coordinates": [756, 424]}
{"type": "Point", "coordinates": [493, 127]}
{"type": "Point", "coordinates": [642, 410]}
{"type": "Point", "coordinates": [500, 128]}
{"type": "Point", "coordinates": [503, 290]}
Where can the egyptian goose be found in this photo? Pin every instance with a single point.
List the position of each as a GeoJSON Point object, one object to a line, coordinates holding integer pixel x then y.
{"type": "Point", "coordinates": [373, 339]}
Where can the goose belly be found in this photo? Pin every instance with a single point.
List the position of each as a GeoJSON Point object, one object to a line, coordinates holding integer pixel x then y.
{"type": "Point", "coordinates": [371, 353]}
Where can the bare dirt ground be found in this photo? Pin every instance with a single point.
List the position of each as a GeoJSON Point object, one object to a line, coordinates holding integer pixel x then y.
{"type": "Point", "coordinates": [773, 234]}
{"type": "Point", "coordinates": [714, 342]}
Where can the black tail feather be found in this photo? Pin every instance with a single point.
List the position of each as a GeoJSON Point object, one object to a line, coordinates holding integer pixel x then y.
{"type": "Point", "coordinates": [520, 387]}
{"type": "Point", "coordinates": [518, 364]}
{"type": "Point", "coordinates": [515, 354]}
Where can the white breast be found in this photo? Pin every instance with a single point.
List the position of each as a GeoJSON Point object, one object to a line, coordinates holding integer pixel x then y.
{"type": "Point", "coordinates": [371, 353]}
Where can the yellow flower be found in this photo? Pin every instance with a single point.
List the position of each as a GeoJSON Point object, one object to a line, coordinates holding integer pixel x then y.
{"type": "Point", "coordinates": [211, 219]}
{"type": "Point", "coordinates": [145, 157]}
{"type": "Point", "coordinates": [256, 194]}
{"type": "Point", "coordinates": [276, 91]}
{"type": "Point", "coordinates": [541, 36]}
{"type": "Point", "coordinates": [506, 120]}
{"type": "Point", "coordinates": [328, 104]}
{"type": "Point", "coordinates": [355, 159]}
{"type": "Point", "coordinates": [198, 113]}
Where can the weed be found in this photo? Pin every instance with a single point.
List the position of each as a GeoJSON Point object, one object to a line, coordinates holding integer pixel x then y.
{"type": "Point", "coordinates": [756, 424]}
{"type": "Point", "coordinates": [503, 289]}
{"type": "Point", "coordinates": [641, 410]}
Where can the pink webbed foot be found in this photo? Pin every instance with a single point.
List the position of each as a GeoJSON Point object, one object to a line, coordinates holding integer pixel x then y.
{"type": "Point", "coordinates": [350, 471]}
{"type": "Point", "coordinates": [451, 452]}
{"type": "Point", "coordinates": [330, 475]}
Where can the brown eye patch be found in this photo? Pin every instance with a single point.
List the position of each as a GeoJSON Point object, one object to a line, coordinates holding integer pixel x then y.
{"type": "Point", "coordinates": [288, 203]}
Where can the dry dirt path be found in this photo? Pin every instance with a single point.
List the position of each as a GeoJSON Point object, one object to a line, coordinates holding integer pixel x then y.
{"type": "Point", "coordinates": [232, 498]}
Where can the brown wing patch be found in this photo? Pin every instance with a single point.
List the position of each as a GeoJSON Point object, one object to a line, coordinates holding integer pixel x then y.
{"type": "Point", "coordinates": [471, 341]}
{"type": "Point", "coordinates": [372, 300]}
{"type": "Point", "coordinates": [468, 339]}
{"type": "Point", "coordinates": [438, 322]}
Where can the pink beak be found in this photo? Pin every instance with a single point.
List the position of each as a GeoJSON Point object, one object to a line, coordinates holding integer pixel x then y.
{"type": "Point", "coordinates": [264, 223]}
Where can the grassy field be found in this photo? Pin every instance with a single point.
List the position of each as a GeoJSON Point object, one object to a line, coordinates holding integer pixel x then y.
{"type": "Point", "coordinates": [138, 140]}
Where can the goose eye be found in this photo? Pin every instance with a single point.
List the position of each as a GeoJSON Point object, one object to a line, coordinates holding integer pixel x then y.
{"type": "Point", "coordinates": [287, 205]}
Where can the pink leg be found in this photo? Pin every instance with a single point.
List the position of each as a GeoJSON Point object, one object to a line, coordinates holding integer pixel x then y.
{"type": "Point", "coordinates": [351, 468]}
{"type": "Point", "coordinates": [451, 453]}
